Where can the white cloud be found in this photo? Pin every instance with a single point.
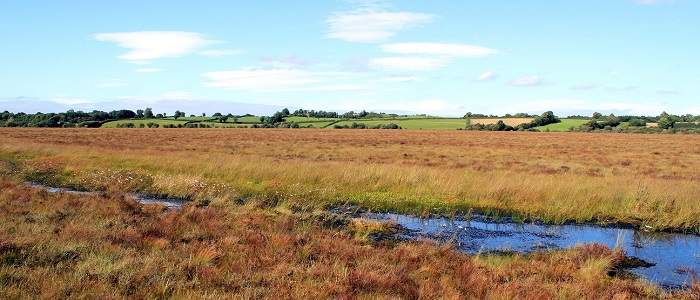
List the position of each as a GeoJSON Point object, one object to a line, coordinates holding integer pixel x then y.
{"type": "Point", "coordinates": [148, 70]}
{"type": "Point", "coordinates": [527, 81]}
{"type": "Point", "coordinates": [370, 26]}
{"type": "Point", "coordinates": [407, 63]}
{"type": "Point", "coordinates": [486, 76]}
{"type": "Point", "coordinates": [220, 52]}
{"type": "Point", "coordinates": [459, 50]}
{"type": "Point", "coordinates": [145, 46]}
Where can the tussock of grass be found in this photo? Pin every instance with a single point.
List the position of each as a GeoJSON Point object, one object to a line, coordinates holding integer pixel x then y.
{"type": "Point", "coordinates": [62, 245]}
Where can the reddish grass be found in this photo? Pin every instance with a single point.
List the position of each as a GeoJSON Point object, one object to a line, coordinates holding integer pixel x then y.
{"type": "Point", "coordinates": [68, 246]}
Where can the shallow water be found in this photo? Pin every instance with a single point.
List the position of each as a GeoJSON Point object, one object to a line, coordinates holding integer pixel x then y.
{"type": "Point", "coordinates": [143, 199]}
{"type": "Point", "coordinates": [676, 256]}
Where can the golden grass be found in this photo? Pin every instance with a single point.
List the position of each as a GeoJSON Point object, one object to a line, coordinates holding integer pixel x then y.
{"type": "Point", "coordinates": [70, 246]}
{"type": "Point", "coordinates": [645, 180]}
{"type": "Point", "coordinates": [507, 121]}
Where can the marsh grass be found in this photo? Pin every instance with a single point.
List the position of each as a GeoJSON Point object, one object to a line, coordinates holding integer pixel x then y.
{"type": "Point", "coordinates": [552, 177]}
{"type": "Point", "coordinates": [109, 246]}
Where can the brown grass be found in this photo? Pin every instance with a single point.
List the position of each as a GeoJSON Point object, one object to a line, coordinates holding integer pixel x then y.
{"type": "Point", "coordinates": [69, 246]}
{"type": "Point", "coordinates": [647, 180]}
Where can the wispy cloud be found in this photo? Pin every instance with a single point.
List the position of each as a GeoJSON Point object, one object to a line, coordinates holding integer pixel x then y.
{"type": "Point", "coordinates": [446, 49]}
{"type": "Point", "coordinates": [584, 87]}
{"type": "Point", "coordinates": [409, 63]}
{"type": "Point", "coordinates": [527, 81]}
{"type": "Point", "coordinates": [145, 46]}
{"type": "Point", "coordinates": [486, 76]}
{"type": "Point", "coordinates": [371, 25]}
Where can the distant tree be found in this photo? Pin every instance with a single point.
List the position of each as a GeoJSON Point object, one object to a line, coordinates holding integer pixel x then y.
{"type": "Point", "coordinates": [666, 121]}
{"type": "Point", "coordinates": [148, 113]}
{"type": "Point", "coordinates": [139, 113]}
{"type": "Point", "coordinates": [285, 112]}
{"type": "Point", "coordinates": [216, 115]}
{"type": "Point", "coordinates": [597, 115]}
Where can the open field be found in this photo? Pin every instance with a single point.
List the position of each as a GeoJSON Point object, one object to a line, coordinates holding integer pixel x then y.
{"type": "Point", "coordinates": [109, 246]}
{"type": "Point", "coordinates": [248, 119]}
{"type": "Point", "coordinates": [434, 123]}
{"type": "Point", "coordinates": [137, 122]}
{"type": "Point", "coordinates": [508, 121]}
{"type": "Point", "coordinates": [642, 180]}
{"type": "Point", "coordinates": [298, 119]}
{"type": "Point", "coordinates": [564, 125]}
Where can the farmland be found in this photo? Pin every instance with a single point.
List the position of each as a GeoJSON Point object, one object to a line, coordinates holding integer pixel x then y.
{"type": "Point", "coordinates": [564, 125]}
{"type": "Point", "coordinates": [137, 122]}
{"type": "Point", "coordinates": [420, 123]}
{"type": "Point", "coordinates": [507, 121]}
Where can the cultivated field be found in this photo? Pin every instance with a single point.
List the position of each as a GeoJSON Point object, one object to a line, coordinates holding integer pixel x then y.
{"type": "Point", "coordinates": [508, 121]}
{"type": "Point", "coordinates": [420, 123]}
{"type": "Point", "coordinates": [643, 180]}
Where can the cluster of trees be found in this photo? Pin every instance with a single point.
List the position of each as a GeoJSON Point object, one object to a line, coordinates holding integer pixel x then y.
{"type": "Point", "coordinates": [664, 121]}
{"type": "Point", "coordinates": [72, 118]}
{"type": "Point", "coordinates": [355, 125]}
{"type": "Point", "coordinates": [314, 114]}
{"type": "Point", "coordinates": [545, 118]}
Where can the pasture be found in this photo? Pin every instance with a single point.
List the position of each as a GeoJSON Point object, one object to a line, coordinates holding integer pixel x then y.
{"type": "Point", "coordinates": [564, 125]}
{"type": "Point", "coordinates": [137, 122]}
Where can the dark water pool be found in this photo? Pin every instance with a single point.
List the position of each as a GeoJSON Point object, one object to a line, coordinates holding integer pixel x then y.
{"type": "Point", "coordinates": [676, 256]}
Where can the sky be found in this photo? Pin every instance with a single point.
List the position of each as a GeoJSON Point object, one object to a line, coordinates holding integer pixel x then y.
{"type": "Point", "coordinates": [440, 57]}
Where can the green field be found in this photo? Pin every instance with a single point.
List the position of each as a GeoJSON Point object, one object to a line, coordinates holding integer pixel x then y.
{"type": "Point", "coordinates": [196, 119]}
{"type": "Point", "coordinates": [223, 125]}
{"type": "Point", "coordinates": [308, 120]}
{"type": "Point", "coordinates": [564, 125]}
{"type": "Point", "coordinates": [247, 119]}
{"type": "Point", "coordinates": [136, 122]}
{"type": "Point", "coordinates": [435, 123]}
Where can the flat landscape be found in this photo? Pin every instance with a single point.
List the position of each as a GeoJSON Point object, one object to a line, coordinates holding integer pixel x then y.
{"type": "Point", "coordinates": [258, 203]}
{"type": "Point", "coordinates": [555, 177]}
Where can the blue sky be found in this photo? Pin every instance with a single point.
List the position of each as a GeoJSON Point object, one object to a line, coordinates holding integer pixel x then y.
{"type": "Point", "coordinates": [439, 57]}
